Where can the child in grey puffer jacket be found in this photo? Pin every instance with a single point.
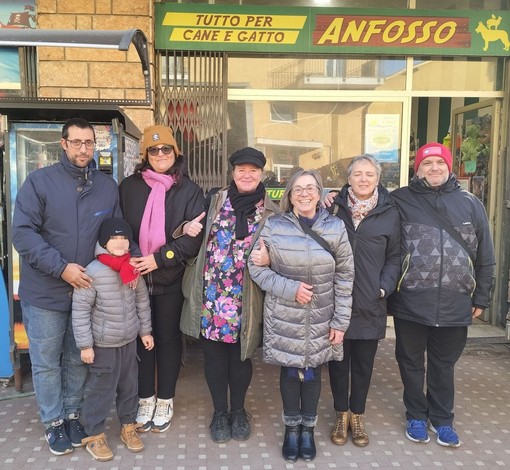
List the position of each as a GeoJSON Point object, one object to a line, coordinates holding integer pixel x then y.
{"type": "Point", "coordinates": [107, 318]}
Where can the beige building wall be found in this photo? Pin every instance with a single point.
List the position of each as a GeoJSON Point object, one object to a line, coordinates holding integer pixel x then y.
{"type": "Point", "coordinates": [95, 74]}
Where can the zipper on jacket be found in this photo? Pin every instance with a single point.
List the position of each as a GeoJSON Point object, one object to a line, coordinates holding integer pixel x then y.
{"type": "Point", "coordinates": [149, 283]}
{"type": "Point", "coordinates": [124, 309]}
{"type": "Point", "coordinates": [472, 271]}
{"type": "Point", "coordinates": [441, 266]}
{"type": "Point", "coordinates": [404, 267]}
{"type": "Point", "coordinates": [308, 307]}
{"type": "Point", "coordinates": [246, 291]}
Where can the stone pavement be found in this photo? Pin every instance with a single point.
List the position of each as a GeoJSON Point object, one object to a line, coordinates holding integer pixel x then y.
{"type": "Point", "coordinates": [482, 421]}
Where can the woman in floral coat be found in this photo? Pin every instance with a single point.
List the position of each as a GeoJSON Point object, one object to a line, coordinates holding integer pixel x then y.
{"type": "Point", "coordinates": [223, 307]}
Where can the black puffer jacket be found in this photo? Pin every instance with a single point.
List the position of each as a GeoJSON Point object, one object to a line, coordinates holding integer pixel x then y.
{"type": "Point", "coordinates": [439, 284]}
{"type": "Point", "coordinates": [182, 203]}
{"type": "Point", "coordinates": [376, 249]}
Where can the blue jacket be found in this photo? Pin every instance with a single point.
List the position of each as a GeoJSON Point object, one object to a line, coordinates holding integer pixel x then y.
{"type": "Point", "coordinates": [56, 221]}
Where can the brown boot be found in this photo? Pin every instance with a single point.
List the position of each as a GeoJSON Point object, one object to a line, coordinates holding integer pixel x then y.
{"type": "Point", "coordinates": [129, 436]}
{"type": "Point", "coordinates": [339, 432]}
{"type": "Point", "coordinates": [359, 436]}
{"type": "Point", "coordinates": [98, 447]}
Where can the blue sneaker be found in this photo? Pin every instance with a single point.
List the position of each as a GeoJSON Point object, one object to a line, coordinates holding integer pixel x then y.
{"type": "Point", "coordinates": [57, 438]}
{"type": "Point", "coordinates": [446, 436]}
{"type": "Point", "coordinates": [75, 430]}
{"type": "Point", "coordinates": [417, 431]}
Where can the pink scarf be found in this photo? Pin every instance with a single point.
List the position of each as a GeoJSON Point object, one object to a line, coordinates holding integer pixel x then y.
{"type": "Point", "coordinates": [152, 229]}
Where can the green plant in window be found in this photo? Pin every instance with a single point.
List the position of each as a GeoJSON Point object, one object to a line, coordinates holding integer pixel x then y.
{"type": "Point", "coordinates": [470, 146]}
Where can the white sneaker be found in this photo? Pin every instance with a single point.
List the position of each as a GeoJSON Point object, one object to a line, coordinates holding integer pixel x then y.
{"type": "Point", "coordinates": [163, 415]}
{"type": "Point", "coordinates": [146, 407]}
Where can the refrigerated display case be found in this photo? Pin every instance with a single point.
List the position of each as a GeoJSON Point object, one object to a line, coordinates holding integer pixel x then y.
{"type": "Point", "coordinates": [33, 145]}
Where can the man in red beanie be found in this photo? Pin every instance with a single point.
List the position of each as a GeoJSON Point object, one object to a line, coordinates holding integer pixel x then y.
{"type": "Point", "coordinates": [447, 273]}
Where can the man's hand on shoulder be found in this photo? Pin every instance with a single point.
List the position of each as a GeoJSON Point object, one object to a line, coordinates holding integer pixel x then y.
{"type": "Point", "coordinates": [74, 274]}
{"type": "Point", "coordinates": [329, 199]}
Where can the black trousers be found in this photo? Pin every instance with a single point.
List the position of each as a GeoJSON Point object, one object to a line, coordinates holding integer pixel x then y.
{"type": "Point", "coordinates": [300, 398]}
{"type": "Point", "coordinates": [162, 364]}
{"type": "Point", "coordinates": [112, 377]}
{"type": "Point", "coordinates": [443, 346]}
{"type": "Point", "coordinates": [357, 365]}
{"type": "Point", "coordinates": [224, 372]}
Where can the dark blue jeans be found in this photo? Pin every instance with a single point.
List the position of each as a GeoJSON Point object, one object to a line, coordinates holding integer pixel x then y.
{"type": "Point", "coordinates": [58, 373]}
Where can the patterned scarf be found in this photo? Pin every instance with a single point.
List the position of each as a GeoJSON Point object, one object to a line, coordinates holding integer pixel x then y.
{"type": "Point", "coordinates": [360, 208]}
{"type": "Point", "coordinates": [152, 229]}
{"type": "Point", "coordinates": [121, 265]}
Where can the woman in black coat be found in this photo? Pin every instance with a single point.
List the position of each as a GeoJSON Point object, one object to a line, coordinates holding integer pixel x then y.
{"type": "Point", "coordinates": [159, 201]}
{"type": "Point", "coordinates": [373, 225]}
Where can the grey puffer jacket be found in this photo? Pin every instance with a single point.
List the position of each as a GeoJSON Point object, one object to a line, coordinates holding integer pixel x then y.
{"type": "Point", "coordinates": [109, 314]}
{"type": "Point", "coordinates": [296, 335]}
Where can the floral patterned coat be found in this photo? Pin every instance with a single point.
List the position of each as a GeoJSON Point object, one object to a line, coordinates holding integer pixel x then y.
{"type": "Point", "coordinates": [252, 295]}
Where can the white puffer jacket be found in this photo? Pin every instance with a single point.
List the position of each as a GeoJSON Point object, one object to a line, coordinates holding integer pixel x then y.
{"type": "Point", "coordinates": [109, 314]}
{"type": "Point", "coordinates": [296, 335]}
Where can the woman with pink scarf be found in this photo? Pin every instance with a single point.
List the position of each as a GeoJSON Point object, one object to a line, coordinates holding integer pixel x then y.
{"type": "Point", "coordinates": [157, 201]}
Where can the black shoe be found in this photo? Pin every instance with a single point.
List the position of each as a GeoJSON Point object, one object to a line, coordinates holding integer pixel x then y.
{"type": "Point", "coordinates": [57, 438]}
{"type": "Point", "coordinates": [307, 449]}
{"type": "Point", "coordinates": [241, 429]}
{"type": "Point", "coordinates": [290, 448]}
{"type": "Point", "coordinates": [75, 431]}
{"type": "Point", "coordinates": [220, 427]}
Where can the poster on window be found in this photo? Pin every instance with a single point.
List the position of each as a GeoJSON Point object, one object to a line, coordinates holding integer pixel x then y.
{"type": "Point", "coordinates": [14, 14]}
{"type": "Point", "coordinates": [381, 136]}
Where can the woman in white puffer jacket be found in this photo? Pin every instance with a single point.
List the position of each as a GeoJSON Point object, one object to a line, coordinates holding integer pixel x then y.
{"type": "Point", "coordinates": [307, 307]}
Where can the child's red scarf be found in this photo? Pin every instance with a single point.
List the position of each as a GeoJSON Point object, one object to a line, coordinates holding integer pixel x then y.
{"type": "Point", "coordinates": [121, 265]}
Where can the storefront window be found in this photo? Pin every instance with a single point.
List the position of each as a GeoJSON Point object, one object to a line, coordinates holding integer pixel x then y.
{"type": "Point", "coordinates": [457, 74]}
{"type": "Point", "coordinates": [318, 135]}
{"type": "Point", "coordinates": [317, 73]}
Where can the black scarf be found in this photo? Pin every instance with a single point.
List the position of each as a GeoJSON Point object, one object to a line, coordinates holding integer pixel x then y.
{"type": "Point", "coordinates": [244, 205]}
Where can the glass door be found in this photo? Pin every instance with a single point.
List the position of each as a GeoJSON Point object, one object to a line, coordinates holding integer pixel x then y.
{"type": "Point", "coordinates": [475, 146]}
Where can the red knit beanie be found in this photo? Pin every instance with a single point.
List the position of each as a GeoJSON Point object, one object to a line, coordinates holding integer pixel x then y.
{"type": "Point", "coordinates": [433, 149]}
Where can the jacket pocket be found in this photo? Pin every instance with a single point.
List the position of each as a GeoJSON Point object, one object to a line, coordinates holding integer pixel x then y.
{"type": "Point", "coordinates": [100, 378]}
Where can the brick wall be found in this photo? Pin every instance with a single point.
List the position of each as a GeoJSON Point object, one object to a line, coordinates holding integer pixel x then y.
{"type": "Point", "coordinates": [95, 73]}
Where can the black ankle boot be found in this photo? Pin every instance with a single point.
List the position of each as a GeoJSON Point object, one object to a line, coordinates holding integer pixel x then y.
{"type": "Point", "coordinates": [307, 444]}
{"type": "Point", "coordinates": [290, 448]}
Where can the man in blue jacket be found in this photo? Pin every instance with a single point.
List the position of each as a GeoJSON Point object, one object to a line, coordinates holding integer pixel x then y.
{"type": "Point", "coordinates": [447, 273]}
{"type": "Point", "coordinates": [56, 222]}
